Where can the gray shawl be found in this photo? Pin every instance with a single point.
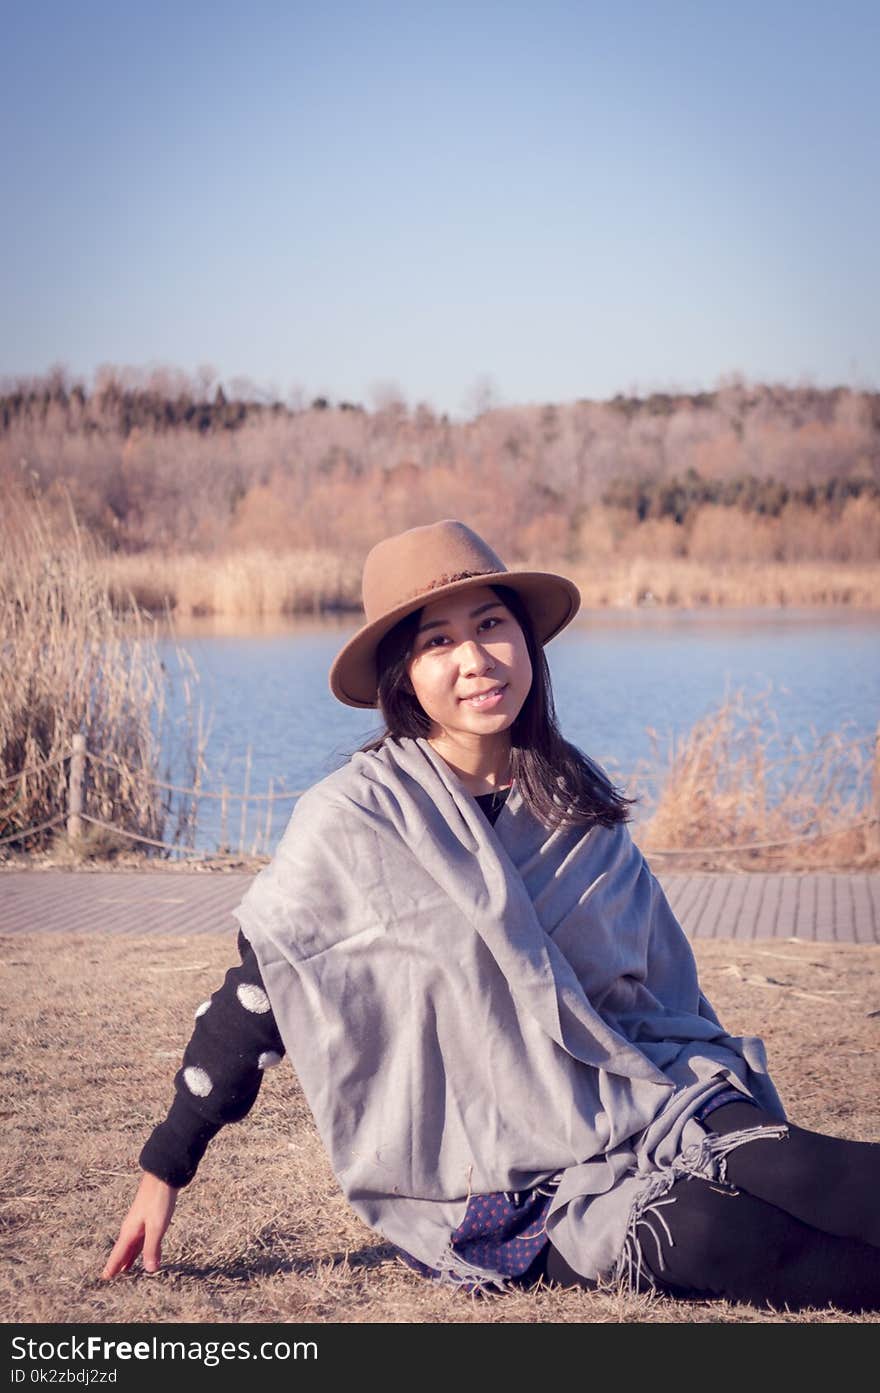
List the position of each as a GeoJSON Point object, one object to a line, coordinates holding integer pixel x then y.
{"type": "Point", "coordinates": [474, 1008]}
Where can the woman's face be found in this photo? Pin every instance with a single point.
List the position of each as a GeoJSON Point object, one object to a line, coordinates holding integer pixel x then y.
{"type": "Point", "coordinates": [469, 643]}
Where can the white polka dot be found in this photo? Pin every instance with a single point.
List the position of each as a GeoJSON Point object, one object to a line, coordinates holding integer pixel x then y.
{"type": "Point", "coordinates": [198, 1082]}
{"type": "Point", "coordinates": [200, 1010]}
{"type": "Point", "coordinates": [268, 1059]}
{"type": "Point", "coordinates": [253, 998]}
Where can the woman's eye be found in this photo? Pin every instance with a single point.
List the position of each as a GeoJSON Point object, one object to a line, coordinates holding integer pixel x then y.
{"type": "Point", "coordinates": [437, 639]}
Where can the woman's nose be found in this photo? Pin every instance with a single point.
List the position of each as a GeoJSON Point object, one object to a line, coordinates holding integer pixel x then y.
{"type": "Point", "coordinates": [473, 657]}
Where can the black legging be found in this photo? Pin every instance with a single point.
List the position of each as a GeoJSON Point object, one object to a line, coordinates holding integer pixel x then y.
{"type": "Point", "coordinates": [798, 1223]}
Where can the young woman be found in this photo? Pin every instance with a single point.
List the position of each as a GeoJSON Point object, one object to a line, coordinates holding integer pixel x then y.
{"type": "Point", "coordinates": [493, 1013]}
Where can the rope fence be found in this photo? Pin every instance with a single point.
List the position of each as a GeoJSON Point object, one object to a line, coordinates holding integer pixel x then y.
{"type": "Point", "coordinates": [151, 841]}
{"type": "Point", "coordinates": [32, 831]}
{"type": "Point", "coordinates": [698, 850]}
{"type": "Point", "coordinates": [33, 769]}
{"type": "Point", "coordinates": [75, 814]}
{"type": "Point", "coordinates": [118, 767]}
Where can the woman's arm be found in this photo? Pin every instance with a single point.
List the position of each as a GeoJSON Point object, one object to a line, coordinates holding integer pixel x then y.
{"type": "Point", "coordinates": [234, 1041]}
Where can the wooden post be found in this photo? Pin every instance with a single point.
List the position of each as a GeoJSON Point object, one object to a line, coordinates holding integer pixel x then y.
{"type": "Point", "coordinates": [224, 822]}
{"type": "Point", "coordinates": [75, 788]}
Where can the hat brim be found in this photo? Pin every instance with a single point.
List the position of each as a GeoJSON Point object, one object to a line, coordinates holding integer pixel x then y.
{"type": "Point", "coordinates": [552, 602]}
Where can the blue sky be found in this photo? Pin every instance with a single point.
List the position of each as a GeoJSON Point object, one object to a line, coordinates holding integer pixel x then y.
{"type": "Point", "coordinates": [558, 200]}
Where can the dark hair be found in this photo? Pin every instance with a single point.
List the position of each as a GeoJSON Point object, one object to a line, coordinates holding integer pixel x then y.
{"type": "Point", "coordinates": [561, 786]}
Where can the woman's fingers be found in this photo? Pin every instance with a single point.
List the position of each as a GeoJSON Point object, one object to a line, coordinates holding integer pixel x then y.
{"type": "Point", "coordinates": [144, 1227]}
{"type": "Point", "coordinates": [153, 1251]}
{"type": "Point", "coordinates": [126, 1249]}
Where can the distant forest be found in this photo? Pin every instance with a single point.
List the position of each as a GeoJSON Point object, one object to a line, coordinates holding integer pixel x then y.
{"type": "Point", "coordinates": [169, 463]}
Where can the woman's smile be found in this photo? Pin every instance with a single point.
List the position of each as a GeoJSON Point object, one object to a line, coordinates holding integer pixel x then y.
{"type": "Point", "coordinates": [488, 698]}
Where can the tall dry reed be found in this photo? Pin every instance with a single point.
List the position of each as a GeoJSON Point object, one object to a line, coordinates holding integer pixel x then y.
{"type": "Point", "coordinates": [737, 782]}
{"type": "Point", "coordinates": [259, 584]}
{"type": "Point", "coordinates": [71, 663]}
{"type": "Point", "coordinates": [255, 583]}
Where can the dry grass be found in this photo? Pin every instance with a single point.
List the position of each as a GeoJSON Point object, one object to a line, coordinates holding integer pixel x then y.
{"type": "Point", "coordinates": [737, 781]}
{"type": "Point", "coordinates": [681, 583]}
{"type": "Point", "coordinates": [69, 664]}
{"type": "Point", "coordinates": [93, 1030]}
{"type": "Point", "coordinates": [254, 584]}
{"type": "Point", "coordinates": [258, 583]}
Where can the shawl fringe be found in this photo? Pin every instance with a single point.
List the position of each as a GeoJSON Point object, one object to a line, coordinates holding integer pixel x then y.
{"type": "Point", "coordinates": [454, 1270]}
{"type": "Point", "coordinates": [703, 1160]}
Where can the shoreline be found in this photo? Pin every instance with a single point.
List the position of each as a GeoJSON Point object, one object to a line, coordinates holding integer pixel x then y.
{"type": "Point", "coordinates": [293, 586]}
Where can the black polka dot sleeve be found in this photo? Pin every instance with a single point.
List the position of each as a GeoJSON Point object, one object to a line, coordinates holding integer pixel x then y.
{"type": "Point", "coordinates": [234, 1041]}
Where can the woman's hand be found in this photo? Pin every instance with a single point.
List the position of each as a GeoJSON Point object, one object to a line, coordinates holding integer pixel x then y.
{"type": "Point", "coordinates": [144, 1227]}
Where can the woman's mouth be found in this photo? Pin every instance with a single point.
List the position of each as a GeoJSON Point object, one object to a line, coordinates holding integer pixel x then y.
{"type": "Point", "coordinates": [486, 699]}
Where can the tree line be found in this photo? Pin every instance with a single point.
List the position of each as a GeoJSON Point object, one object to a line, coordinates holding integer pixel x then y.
{"type": "Point", "coordinates": [677, 498]}
{"type": "Point", "coordinates": [183, 464]}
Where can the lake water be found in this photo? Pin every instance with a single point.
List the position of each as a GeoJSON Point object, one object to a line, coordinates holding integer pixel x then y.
{"type": "Point", "coordinates": [616, 675]}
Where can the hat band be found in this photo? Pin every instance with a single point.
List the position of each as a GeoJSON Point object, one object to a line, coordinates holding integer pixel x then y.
{"type": "Point", "coordinates": [447, 579]}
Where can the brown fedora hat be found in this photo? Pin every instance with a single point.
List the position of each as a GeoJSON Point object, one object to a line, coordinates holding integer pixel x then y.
{"type": "Point", "coordinates": [402, 573]}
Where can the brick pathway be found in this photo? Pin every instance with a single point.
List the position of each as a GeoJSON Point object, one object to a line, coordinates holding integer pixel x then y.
{"type": "Point", "coordinates": [843, 908]}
